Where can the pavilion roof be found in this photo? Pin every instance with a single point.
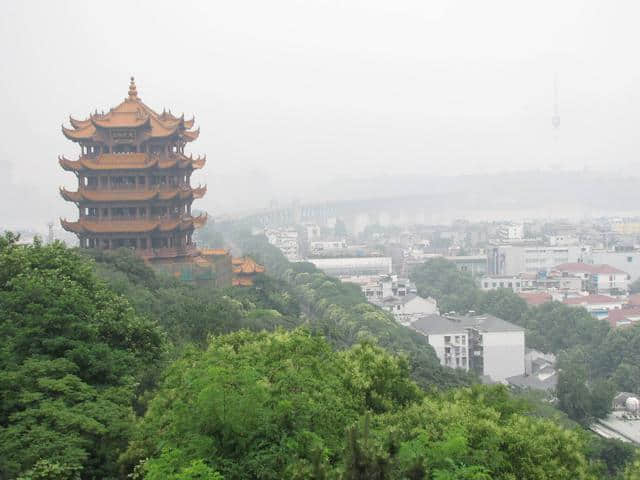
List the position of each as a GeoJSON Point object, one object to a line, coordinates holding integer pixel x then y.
{"type": "Point", "coordinates": [133, 226]}
{"type": "Point", "coordinates": [246, 265]}
{"type": "Point", "coordinates": [132, 195]}
{"type": "Point", "coordinates": [132, 113]}
{"type": "Point", "coordinates": [131, 161]}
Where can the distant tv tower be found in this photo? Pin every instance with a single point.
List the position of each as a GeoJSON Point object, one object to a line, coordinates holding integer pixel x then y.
{"type": "Point", "coordinates": [555, 120]}
{"type": "Point", "coordinates": [50, 234]}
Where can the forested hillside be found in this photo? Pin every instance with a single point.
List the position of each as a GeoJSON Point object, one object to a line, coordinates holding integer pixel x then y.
{"type": "Point", "coordinates": [110, 371]}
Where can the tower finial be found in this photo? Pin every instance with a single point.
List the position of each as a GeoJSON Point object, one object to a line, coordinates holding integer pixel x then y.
{"type": "Point", "coordinates": [133, 92]}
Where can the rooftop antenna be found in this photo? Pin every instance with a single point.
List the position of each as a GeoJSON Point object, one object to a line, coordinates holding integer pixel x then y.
{"type": "Point", "coordinates": [50, 234]}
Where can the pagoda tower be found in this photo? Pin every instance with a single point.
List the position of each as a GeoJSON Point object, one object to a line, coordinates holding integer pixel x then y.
{"type": "Point", "coordinates": [134, 181]}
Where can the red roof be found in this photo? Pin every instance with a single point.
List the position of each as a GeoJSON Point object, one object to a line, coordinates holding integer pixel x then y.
{"type": "Point", "coordinates": [587, 268]}
{"type": "Point", "coordinates": [535, 298]}
{"type": "Point", "coordinates": [623, 317]}
{"type": "Point", "coordinates": [590, 300]}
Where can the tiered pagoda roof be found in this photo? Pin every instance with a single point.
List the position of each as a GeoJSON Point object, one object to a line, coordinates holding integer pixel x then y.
{"type": "Point", "coordinates": [132, 195]}
{"type": "Point", "coordinates": [132, 113]}
{"type": "Point", "coordinates": [134, 226]}
{"type": "Point", "coordinates": [244, 271]}
{"type": "Point", "coordinates": [131, 161]}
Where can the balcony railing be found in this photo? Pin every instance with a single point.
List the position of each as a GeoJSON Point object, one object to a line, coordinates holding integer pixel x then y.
{"type": "Point", "coordinates": [135, 187]}
{"type": "Point", "coordinates": [167, 251]}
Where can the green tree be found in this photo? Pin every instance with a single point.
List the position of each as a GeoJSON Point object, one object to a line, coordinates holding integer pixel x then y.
{"type": "Point", "coordinates": [72, 359]}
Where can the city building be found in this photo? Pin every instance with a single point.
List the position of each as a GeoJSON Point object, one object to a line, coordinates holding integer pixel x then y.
{"type": "Point", "coordinates": [485, 344]}
{"type": "Point", "coordinates": [286, 240]}
{"type": "Point", "coordinates": [353, 266]}
{"type": "Point", "coordinates": [625, 259]}
{"type": "Point", "coordinates": [319, 247]}
{"type": "Point", "coordinates": [539, 372]}
{"type": "Point", "coordinates": [408, 308]}
{"type": "Point", "coordinates": [514, 283]}
{"type": "Point", "coordinates": [603, 279]}
{"type": "Point", "coordinates": [535, 299]}
{"type": "Point", "coordinates": [510, 232]}
{"type": "Point", "coordinates": [597, 305]}
{"type": "Point", "coordinates": [134, 181]}
{"type": "Point", "coordinates": [623, 317]}
{"type": "Point", "coordinates": [516, 259]}
{"type": "Point", "coordinates": [383, 286]}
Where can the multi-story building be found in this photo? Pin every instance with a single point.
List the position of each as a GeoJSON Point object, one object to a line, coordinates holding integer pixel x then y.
{"type": "Point", "coordinates": [510, 232]}
{"type": "Point", "coordinates": [385, 286]}
{"type": "Point", "coordinates": [625, 259]}
{"type": "Point", "coordinates": [484, 344]}
{"type": "Point", "coordinates": [515, 259]}
{"type": "Point", "coordinates": [598, 306]}
{"type": "Point", "coordinates": [286, 240]}
{"type": "Point", "coordinates": [517, 283]}
{"type": "Point", "coordinates": [134, 181]}
{"type": "Point", "coordinates": [603, 279]}
{"type": "Point", "coordinates": [353, 266]}
{"type": "Point", "coordinates": [408, 308]}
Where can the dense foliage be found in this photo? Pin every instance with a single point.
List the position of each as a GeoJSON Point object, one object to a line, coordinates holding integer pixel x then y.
{"type": "Point", "coordinates": [109, 370]}
{"type": "Point", "coordinates": [340, 312]}
{"type": "Point", "coordinates": [275, 406]}
{"type": "Point", "coordinates": [73, 354]}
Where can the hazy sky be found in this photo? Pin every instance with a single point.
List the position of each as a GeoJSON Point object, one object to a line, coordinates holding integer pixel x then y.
{"type": "Point", "coordinates": [292, 94]}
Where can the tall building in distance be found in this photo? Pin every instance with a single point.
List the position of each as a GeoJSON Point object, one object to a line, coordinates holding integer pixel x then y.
{"type": "Point", "coordinates": [134, 181]}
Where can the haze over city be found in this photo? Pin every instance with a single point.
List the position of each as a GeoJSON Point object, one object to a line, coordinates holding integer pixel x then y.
{"type": "Point", "coordinates": [325, 100]}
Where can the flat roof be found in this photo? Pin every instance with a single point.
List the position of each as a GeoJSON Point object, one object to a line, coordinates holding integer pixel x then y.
{"type": "Point", "coordinates": [436, 324]}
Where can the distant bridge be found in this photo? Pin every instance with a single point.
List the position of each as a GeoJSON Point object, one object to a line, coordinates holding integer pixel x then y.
{"type": "Point", "coordinates": [401, 210]}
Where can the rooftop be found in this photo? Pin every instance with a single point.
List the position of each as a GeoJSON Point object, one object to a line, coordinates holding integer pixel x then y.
{"type": "Point", "coordinates": [132, 113]}
{"type": "Point", "coordinates": [436, 324]}
{"type": "Point", "coordinates": [590, 300]}
{"type": "Point", "coordinates": [587, 268]}
{"type": "Point", "coordinates": [535, 298]}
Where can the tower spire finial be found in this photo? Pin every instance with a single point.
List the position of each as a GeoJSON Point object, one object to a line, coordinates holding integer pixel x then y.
{"type": "Point", "coordinates": [133, 92]}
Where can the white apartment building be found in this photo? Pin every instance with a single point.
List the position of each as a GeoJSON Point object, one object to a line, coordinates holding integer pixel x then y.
{"type": "Point", "coordinates": [408, 308]}
{"type": "Point", "coordinates": [320, 246]}
{"type": "Point", "coordinates": [285, 239]}
{"type": "Point", "coordinates": [353, 266]}
{"type": "Point", "coordinates": [449, 339]}
{"type": "Point", "coordinates": [510, 232]}
{"type": "Point", "coordinates": [627, 261]}
{"type": "Point", "coordinates": [516, 284]}
{"type": "Point", "coordinates": [385, 286]}
{"type": "Point", "coordinates": [485, 344]}
{"type": "Point", "coordinates": [603, 279]}
{"type": "Point", "coordinates": [515, 259]}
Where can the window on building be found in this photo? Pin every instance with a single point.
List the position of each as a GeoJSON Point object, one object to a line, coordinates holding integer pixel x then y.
{"type": "Point", "coordinates": [486, 284]}
{"type": "Point", "coordinates": [629, 259]}
{"type": "Point", "coordinates": [447, 339]}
